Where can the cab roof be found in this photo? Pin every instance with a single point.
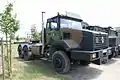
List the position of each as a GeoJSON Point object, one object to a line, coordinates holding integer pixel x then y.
{"type": "Point", "coordinates": [65, 17]}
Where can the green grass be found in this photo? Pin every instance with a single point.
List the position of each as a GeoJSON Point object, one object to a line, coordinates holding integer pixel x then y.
{"type": "Point", "coordinates": [32, 70]}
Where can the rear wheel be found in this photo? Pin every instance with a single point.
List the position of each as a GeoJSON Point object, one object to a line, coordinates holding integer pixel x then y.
{"type": "Point", "coordinates": [20, 52]}
{"type": "Point", "coordinates": [27, 55]}
{"type": "Point", "coordinates": [61, 62]}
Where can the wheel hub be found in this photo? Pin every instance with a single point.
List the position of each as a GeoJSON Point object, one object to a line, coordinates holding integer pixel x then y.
{"type": "Point", "coordinates": [58, 62]}
{"type": "Point", "coordinates": [26, 51]}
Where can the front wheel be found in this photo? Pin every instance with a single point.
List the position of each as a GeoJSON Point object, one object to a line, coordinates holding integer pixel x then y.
{"type": "Point", "coordinates": [20, 52]}
{"type": "Point", "coordinates": [61, 62]}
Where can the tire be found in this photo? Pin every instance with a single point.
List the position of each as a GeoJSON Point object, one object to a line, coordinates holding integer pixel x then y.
{"type": "Point", "coordinates": [26, 53]}
{"type": "Point", "coordinates": [20, 52]}
{"type": "Point", "coordinates": [82, 62]}
{"type": "Point", "coordinates": [110, 56]}
{"type": "Point", "coordinates": [61, 62]}
{"type": "Point", "coordinates": [114, 54]}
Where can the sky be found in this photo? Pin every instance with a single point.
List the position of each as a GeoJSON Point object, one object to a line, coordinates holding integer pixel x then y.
{"type": "Point", "coordinates": [95, 12]}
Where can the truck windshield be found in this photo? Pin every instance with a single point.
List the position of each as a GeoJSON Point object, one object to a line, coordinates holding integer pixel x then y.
{"type": "Point", "coordinates": [72, 24]}
{"type": "Point", "coordinates": [113, 33]}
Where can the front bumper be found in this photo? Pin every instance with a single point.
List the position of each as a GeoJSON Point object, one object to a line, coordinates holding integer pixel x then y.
{"type": "Point", "coordinates": [115, 49]}
{"type": "Point", "coordinates": [89, 55]}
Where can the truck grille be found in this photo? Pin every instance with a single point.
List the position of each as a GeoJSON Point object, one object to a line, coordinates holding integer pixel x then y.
{"type": "Point", "coordinates": [100, 41]}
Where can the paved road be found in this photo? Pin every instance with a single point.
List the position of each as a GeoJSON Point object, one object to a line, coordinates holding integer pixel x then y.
{"type": "Point", "coordinates": [109, 71]}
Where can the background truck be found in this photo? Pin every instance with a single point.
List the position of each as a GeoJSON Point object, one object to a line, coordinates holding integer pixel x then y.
{"type": "Point", "coordinates": [64, 41]}
{"type": "Point", "coordinates": [103, 39]}
{"type": "Point", "coordinates": [25, 46]}
{"type": "Point", "coordinates": [113, 41]}
{"type": "Point", "coordinates": [118, 40]}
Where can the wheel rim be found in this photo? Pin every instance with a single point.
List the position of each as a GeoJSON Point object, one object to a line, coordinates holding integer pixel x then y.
{"type": "Point", "coordinates": [25, 51]}
{"type": "Point", "coordinates": [58, 62]}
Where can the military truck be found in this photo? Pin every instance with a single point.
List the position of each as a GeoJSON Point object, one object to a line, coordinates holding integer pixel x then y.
{"type": "Point", "coordinates": [23, 45]}
{"type": "Point", "coordinates": [64, 41]}
{"type": "Point", "coordinates": [102, 40]}
{"type": "Point", "coordinates": [113, 41]}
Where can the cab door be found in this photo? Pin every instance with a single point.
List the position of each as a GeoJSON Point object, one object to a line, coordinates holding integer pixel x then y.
{"type": "Point", "coordinates": [53, 32]}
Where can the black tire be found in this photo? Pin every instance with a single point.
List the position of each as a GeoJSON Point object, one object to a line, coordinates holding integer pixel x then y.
{"type": "Point", "coordinates": [26, 54]}
{"type": "Point", "coordinates": [110, 56]}
{"type": "Point", "coordinates": [61, 62]}
{"type": "Point", "coordinates": [20, 52]}
{"type": "Point", "coordinates": [82, 62]}
{"type": "Point", "coordinates": [114, 54]}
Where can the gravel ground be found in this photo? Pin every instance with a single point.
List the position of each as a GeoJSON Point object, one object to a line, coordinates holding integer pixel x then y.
{"type": "Point", "coordinates": [108, 71]}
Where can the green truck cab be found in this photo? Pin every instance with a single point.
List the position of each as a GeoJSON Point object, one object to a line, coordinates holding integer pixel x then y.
{"type": "Point", "coordinates": [66, 42]}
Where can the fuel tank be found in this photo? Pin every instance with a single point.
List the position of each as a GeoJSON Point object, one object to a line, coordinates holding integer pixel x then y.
{"type": "Point", "coordinates": [36, 49]}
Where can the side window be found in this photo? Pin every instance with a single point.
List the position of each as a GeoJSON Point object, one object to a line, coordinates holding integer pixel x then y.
{"type": "Point", "coordinates": [53, 25]}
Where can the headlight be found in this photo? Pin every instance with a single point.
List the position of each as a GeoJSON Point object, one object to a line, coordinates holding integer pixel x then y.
{"type": "Point", "coordinates": [94, 55]}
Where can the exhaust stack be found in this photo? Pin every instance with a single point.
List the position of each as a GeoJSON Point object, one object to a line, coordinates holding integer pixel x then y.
{"type": "Point", "coordinates": [42, 52]}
